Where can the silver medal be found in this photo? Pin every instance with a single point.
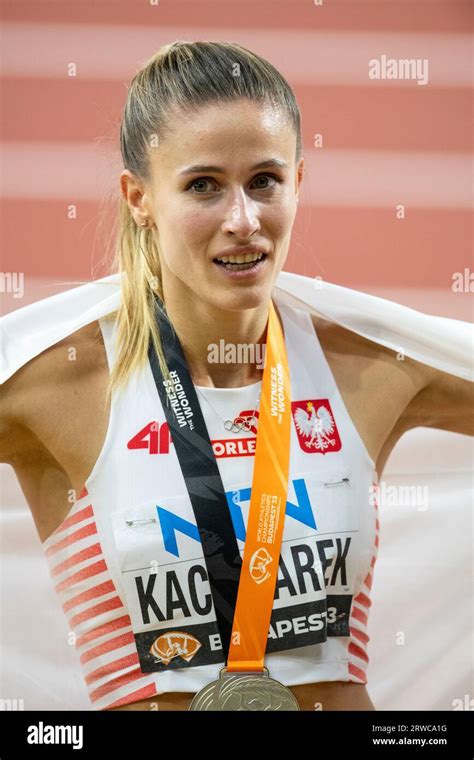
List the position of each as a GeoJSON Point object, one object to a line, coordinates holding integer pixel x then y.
{"type": "Point", "coordinates": [244, 691]}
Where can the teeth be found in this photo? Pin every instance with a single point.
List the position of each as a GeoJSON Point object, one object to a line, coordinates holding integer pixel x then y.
{"type": "Point", "coordinates": [242, 259]}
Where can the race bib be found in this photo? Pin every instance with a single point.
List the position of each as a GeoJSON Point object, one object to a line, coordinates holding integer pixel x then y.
{"type": "Point", "coordinates": [165, 578]}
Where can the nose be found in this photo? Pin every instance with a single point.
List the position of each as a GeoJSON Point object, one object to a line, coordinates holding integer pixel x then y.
{"type": "Point", "coordinates": [242, 216]}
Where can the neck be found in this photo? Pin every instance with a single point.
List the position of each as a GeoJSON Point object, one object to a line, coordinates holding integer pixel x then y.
{"type": "Point", "coordinates": [223, 349]}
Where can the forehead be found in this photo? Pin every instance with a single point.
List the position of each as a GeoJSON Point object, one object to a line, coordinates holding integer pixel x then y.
{"type": "Point", "coordinates": [235, 131]}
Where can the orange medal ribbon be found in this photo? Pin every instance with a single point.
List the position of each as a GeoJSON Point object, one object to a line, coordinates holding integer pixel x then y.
{"type": "Point", "coordinates": [267, 509]}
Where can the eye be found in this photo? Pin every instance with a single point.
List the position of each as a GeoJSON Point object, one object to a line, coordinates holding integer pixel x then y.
{"type": "Point", "coordinates": [203, 180]}
{"type": "Point", "coordinates": [197, 181]}
{"type": "Point", "coordinates": [265, 176]}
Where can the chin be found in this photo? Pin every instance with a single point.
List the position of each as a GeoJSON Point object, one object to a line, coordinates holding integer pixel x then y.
{"type": "Point", "coordinates": [247, 298]}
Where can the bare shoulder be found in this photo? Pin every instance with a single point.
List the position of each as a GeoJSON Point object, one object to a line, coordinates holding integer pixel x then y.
{"type": "Point", "coordinates": [378, 386]}
{"type": "Point", "coordinates": [361, 355]}
{"type": "Point", "coordinates": [436, 399]}
{"type": "Point", "coordinates": [36, 389]}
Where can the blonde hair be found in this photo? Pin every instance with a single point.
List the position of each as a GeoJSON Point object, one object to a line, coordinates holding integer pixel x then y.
{"type": "Point", "coordinates": [182, 75]}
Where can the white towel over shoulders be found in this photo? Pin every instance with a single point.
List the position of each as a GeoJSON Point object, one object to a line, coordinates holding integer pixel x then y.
{"type": "Point", "coordinates": [443, 343]}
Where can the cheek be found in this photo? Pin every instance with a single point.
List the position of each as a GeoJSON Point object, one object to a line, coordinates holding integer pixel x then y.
{"type": "Point", "coordinates": [279, 218]}
{"type": "Point", "coordinates": [190, 229]}
{"type": "Point", "coordinates": [183, 236]}
{"type": "Point", "coordinates": [196, 226]}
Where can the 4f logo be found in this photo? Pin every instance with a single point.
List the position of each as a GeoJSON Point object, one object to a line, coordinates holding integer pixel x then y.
{"type": "Point", "coordinates": [155, 437]}
{"type": "Point", "coordinates": [315, 425]}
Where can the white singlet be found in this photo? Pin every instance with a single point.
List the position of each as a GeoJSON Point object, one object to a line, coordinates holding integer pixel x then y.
{"type": "Point", "coordinates": [127, 560]}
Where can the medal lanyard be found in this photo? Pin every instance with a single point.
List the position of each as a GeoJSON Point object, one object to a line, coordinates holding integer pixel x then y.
{"type": "Point", "coordinates": [242, 589]}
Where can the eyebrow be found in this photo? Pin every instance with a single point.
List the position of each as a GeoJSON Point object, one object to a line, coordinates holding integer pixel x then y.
{"type": "Point", "coordinates": [275, 162]}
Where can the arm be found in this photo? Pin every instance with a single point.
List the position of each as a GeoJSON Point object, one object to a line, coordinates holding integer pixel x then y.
{"type": "Point", "coordinates": [10, 429]}
{"type": "Point", "coordinates": [445, 402]}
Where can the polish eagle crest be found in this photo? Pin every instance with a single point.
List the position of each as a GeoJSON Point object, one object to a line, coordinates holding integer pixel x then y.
{"type": "Point", "coordinates": [316, 426]}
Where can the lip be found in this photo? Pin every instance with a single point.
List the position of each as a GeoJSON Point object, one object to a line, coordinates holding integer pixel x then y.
{"type": "Point", "coordinates": [237, 250]}
{"type": "Point", "coordinates": [244, 274]}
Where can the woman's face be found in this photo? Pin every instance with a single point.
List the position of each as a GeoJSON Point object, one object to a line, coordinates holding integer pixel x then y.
{"type": "Point", "coordinates": [202, 213]}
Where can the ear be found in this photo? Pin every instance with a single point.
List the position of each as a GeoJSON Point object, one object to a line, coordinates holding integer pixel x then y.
{"type": "Point", "coordinates": [133, 192]}
{"type": "Point", "coordinates": [300, 169]}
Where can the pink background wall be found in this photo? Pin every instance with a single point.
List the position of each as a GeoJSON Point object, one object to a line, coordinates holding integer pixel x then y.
{"type": "Point", "coordinates": [385, 142]}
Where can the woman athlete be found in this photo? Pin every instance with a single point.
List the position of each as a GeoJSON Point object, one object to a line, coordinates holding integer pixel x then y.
{"type": "Point", "coordinates": [212, 150]}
